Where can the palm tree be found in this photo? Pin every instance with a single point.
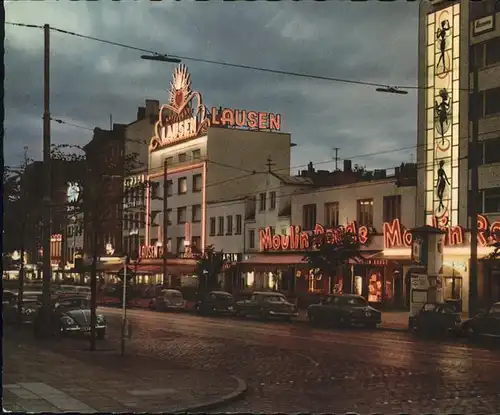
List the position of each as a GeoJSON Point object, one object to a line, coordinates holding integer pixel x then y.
{"type": "Point", "coordinates": [326, 257]}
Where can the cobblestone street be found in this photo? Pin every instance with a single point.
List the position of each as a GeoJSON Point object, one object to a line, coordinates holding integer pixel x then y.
{"type": "Point", "coordinates": [291, 368]}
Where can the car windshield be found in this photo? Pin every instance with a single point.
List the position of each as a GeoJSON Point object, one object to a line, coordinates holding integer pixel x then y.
{"type": "Point", "coordinates": [174, 294]}
{"type": "Point", "coordinates": [354, 301]}
{"type": "Point", "coordinates": [74, 303]}
{"type": "Point", "coordinates": [275, 298]}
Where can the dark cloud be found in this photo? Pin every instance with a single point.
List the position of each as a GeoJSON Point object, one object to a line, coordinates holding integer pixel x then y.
{"type": "Point", "coordinates": [370, 41]}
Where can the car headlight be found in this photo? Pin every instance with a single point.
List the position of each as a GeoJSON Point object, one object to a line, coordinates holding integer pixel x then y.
{"type": "Point", "coordinates": [68, 321]}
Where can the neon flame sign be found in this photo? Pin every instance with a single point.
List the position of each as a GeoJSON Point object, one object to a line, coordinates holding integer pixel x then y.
{"type": "Point", "coordinates": [182, 119]}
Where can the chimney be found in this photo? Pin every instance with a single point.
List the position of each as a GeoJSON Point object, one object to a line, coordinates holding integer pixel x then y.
{"type": "Point", "coordinates": [152, 109]}
{"type": "Point", "coordinates": [141, 113]}
{"type": "Point", "coordinates": [347, 165]}
{"type": "Point", "coordinates": [310, 168]}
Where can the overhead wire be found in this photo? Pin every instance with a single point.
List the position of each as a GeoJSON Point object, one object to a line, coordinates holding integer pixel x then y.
{"type": "Point", "coordinates": [227, 64]}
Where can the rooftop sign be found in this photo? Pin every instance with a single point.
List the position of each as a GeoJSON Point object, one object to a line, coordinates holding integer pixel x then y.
{"type": "Point", "coordinates": [185, 117]}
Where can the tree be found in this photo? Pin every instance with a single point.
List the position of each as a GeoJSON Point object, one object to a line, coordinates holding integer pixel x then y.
{"type": "Point", "coordinates": [325, 256]}
{"type": "Point", "coordinates": [208, 269]}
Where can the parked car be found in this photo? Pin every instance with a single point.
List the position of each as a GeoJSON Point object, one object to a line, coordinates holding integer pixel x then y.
{"type": "Point", "coordinates": [486, 322]}
{"type": "Point", "coordinates": [81, 289]}
{"type": "Point", "coordinates": [435, 318]}
{"type": "Point", "coordinates": [73, 316]}
{"type": "Point", "coordinates": [344, 310]}
{"type": "Point", "coordinates": [266, 305]}
{"type": "Point", "coordinates": [29, 309]}
{"type": "Point", "coordinates": [72, 289]}
{"type": "Point", "coordinates": [216, 302]}
{"type": "Point", "coordinates": [169, 300]}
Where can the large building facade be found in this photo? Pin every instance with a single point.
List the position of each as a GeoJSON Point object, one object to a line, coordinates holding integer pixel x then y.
{"type": "Point", "coordinates": [455, 39]}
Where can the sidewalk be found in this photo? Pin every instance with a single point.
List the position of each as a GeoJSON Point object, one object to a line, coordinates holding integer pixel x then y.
{"type": "Point", "coordinates": [38, 380]}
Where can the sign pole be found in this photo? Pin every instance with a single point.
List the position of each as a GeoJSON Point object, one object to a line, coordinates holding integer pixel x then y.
{"type": "Point", "coordinates": [124, 305]}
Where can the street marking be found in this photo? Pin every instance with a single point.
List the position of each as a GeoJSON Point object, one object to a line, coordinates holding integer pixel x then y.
{"type": "Point", "coordinates": [57, 398]}
{"type": "Point", "coordinates": [308, 358]}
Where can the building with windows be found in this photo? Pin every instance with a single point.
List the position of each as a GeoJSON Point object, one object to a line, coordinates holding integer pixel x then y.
{"type": "Point", "coordinates": [206, 156]}
{"type": "Point", "coordinates": [457, 39]}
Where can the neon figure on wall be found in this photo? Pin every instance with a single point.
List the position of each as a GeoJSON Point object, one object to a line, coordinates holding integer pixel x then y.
{"type": "Point", "coordinates": [441, 183]}
{"type": "Point", "coordinates": [441, 36]}
{"type": "Point", "coordinates": [442, 110]}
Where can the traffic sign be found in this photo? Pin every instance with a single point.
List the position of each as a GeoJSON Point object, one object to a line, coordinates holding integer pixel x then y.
{"type": "Point", "coordinates": [130, 273]}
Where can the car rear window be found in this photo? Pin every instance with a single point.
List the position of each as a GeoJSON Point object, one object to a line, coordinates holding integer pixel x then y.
{"type": "Point", "coordinates": [275, 298]}
{"type": "Point", "coordinates": [174, 294]}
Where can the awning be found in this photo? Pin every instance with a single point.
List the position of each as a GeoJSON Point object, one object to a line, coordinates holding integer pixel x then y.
{"type": "Point", "coordinates": [379, 258]}
{"type": "Point", "coordinates": [173, 269]}
{"type": "Point", "coordinates": [286, 259]}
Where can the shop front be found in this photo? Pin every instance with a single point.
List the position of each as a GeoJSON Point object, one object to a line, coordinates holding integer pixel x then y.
{"type": "Point", "coordinates": [455, 259]}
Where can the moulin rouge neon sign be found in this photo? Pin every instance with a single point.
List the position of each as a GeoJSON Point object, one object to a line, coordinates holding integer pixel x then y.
{"type": "Point", "coordinates": [182, 119]}
{"type": "Point", "coordinates": [300, 240]}
{"type": "Point", "coordinates": [396, 235]}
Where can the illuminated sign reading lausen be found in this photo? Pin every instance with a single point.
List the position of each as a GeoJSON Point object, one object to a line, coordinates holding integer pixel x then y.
{"type": "Point", "coordinates": [299, 240]}
{"type": "Point", "coordinates": [179, 120]}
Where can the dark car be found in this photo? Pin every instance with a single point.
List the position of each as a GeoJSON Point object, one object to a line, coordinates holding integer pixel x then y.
{"type": "Point", "coordinates": [216, 302]}
{"type": "Point", "coordinates": [344, 310]}
{"type": "Point", "coordinates": [29, 309]}
{"type": "Point", "coordinates": [73, 316]}
{"type": "Point", "coordinates": [435, 318]}
{"type": "Point", "coordinates": [486, 322]}
{"type": "Point", "coordinates": [266, 305]}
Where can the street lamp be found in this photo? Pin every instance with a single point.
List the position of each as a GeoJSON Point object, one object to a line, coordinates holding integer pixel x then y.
{"type": "Point", "coordinates": [160, 58]}
{"type": "Point", "coordinates": [392, 90]}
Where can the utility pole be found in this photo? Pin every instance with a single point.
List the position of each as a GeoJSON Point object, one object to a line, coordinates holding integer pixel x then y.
{"type": "Point", "coordinates": [336, 158]}
{"type": "Point", "coordinates": [165, 218]}
{"type": "Point", "coordinates": [270, 163]}
{"type": "Point", "coordinates": [47, 271]}
{"type": "Point", "coordinates": [24, 207]}
{"type": "Point", "coordinates": [474, 192]}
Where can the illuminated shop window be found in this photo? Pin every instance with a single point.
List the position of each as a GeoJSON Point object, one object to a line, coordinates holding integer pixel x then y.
{"type": "Point", "coordinates": [375, 287]}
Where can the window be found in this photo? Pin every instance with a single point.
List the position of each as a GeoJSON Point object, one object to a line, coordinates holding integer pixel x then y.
{"type": "Point", "coordinates": [180, 245]}
{"type": "Point", "coordinates": [154, 190]}
{"type": "Point", "coordinates": [169, 188]}
{"type": "Point", "coordinates": [492, 51]}
{"type": "Point", "coordinates": [196, 213]}
{"type": "Point", "coordinates": [212, 226]}
{"type": "Point", "coordinates": [169, 244]}
{"type": "Point", "coordinates": [170, 161]}
{"type": "Point", "coordinates": [491, 200]}
{"type": "Point", "coordinates": [196, 242]}
{"type": "Point", "coordinates": [272, 200]}
{"type": "Point", "coordinates": [181, 215]}
{"type": "Point", "coordinates": [182, 157]}
{"type": "Point", "coordinates": [262, 202]}
{"type": "Point", "coordinates": [251, 238]}
{"type": "Point", "coordinates": [197, 183]}
{"type": "Point", "coordinates": [182, 186]}
{"type": "Point", "coordinates": [309, 217]}
{"type": "Point", "coordinates": [365, 212]}
{"type": "Point", "coordinates": [169, 216]}
{"type": "Point", "coordinates": [492, 101]}
{"type": "Point", "coordinates": [196, 154]}
{"type": "Point", "coordinates": [478, 51]}
{"type": "Point", "coordinates": [479, 9]}
{"type": "Point", "coordinates": [220, 231]}
{"type": "Point", "coordinates": [392, 208]}
{"type": "Point", "coordinates": [238, 225]}
{"type": "Point", "coordinates": [332, 215]}
{"type": "Point", "coordinates": [137, 221]}
{"type": "Point", "coordinates": [229, 225]}
{"type": "Point", "coordinates": [491, 150]}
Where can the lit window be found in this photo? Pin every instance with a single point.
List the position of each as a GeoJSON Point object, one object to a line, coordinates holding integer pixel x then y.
{"type": "Point", "coordinates": [365, 212]}
{"type": "Point", "coordinates": [182, 186]}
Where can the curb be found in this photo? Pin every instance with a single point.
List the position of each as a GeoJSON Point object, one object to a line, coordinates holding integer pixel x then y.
{"type": "Point", "coordinates": [239, 392]}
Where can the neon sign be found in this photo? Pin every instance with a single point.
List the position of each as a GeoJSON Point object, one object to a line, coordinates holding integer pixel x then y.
{"type": "Point", "coordinates": [181, 119]}
{"type": "Point", "coordinates": [300, 240]}
{"type": "Point", "coordinates": [396, 235]}
{"type": "Point", "coordinates": [151, 252]}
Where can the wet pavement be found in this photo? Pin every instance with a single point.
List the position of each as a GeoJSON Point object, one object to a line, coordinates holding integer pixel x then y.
{"type": "Point", "coordinates": [297, 368]}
